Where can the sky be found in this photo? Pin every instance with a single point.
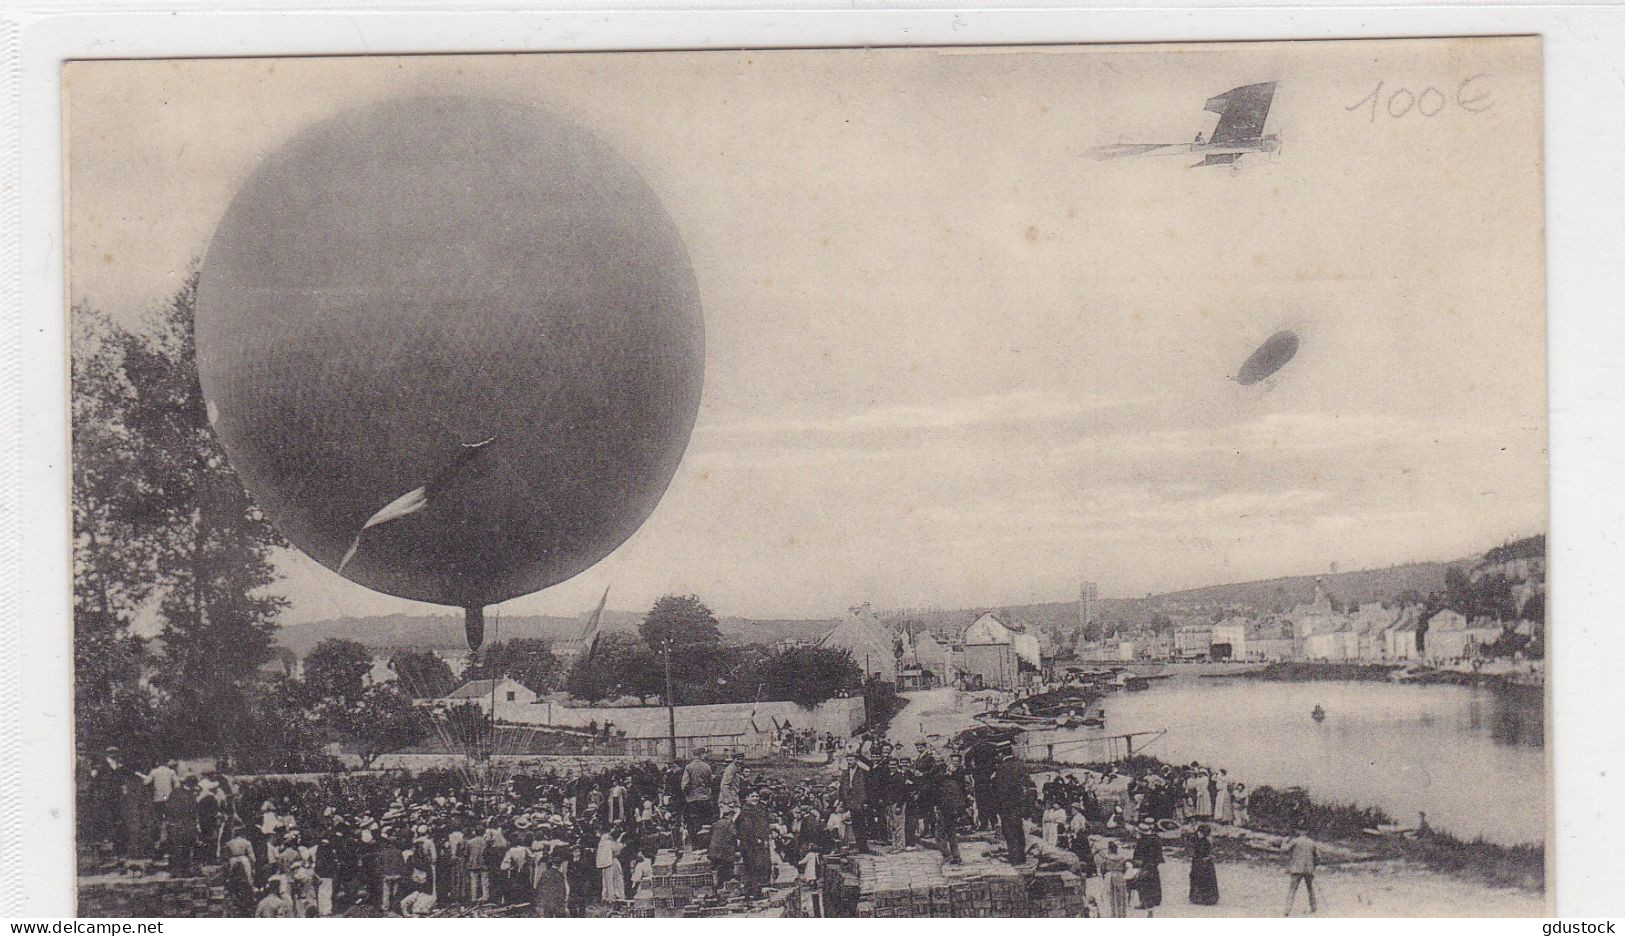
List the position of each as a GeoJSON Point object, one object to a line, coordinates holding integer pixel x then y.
{"type": "Point", "coordinates": [953, 361]}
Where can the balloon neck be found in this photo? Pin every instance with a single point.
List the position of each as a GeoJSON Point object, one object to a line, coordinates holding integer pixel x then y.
{"type": "Point", "coordinates": [474, 626]}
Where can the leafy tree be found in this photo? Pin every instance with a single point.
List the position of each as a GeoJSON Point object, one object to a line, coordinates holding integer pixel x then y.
{"type": "Point", "coordinates": [466, 727]}
{"type": "Point", "coordinates": [422, 674]}
{"type": "Point", "coordinates": [382, 718]}
{"type": "Point", "coordinates": [728, 674]}
{"type": "Point", "coordinates": [337, 668]}
{"type": "Point", "coordinates": [161, 518]}
{"type": "Point", "coordinates": [809, 676]}
{"type": "Point", "coordinates": [285, 719]}
{"type": "Point", "coordinates": [621, 665]}
{"type": "Point", "coordinates": [684, 624]}
{"type": "Point", "coordinates": [683, 635]}
{"type": "Point", "coordinates": [112, 574]}
{"type": "Point", "coordinates": [880, 703]}
{"type": "Point", "coordinates": [527, 660]}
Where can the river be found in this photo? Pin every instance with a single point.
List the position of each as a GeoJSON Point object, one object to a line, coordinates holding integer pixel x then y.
{"type": "Point", "coordinates": [1473, 759]}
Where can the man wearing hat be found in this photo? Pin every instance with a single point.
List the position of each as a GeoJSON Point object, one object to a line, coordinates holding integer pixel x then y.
{"type": "Point", "coordinates": [479, 873]}
{"type": "Point", "coordinates": [181, 829]}
{"type": "Point", "coordinates": [949, 798]}
{"type": "Point", "coordinates": [855, 793]}
{"type": "Point", "coordinates": [724, 848]}
{"type": "Point", "coordinates": [1012, 799]}
{"type": "Point", "coordinates": [696, 787]}
{"type": "Point", "coordinates": [107, 783]}
{"type": "Point", "coordinates": [733, 779]}
{"type": "Point", "coordinates": [754, 831]}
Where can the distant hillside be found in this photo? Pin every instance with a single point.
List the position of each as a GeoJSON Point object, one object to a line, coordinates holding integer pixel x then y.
{"type": "Point", "coordinates": [445, 631]}
{"type": "Point", "coordinates": [1263, 597]}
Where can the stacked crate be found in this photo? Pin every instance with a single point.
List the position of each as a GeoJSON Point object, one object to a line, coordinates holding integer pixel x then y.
{"type": "Point", "coordinates": [918, 884]}
{"type": "Point", "coordinates": [676, 883]}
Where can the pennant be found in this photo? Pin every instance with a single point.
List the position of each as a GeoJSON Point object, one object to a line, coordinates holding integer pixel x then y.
{"type": "Point", "coordinates": [589, 633]}
{"type": "Point", "coordinates": [412, 501]}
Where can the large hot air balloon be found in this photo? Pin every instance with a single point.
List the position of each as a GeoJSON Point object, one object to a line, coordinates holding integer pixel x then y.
{"type": "Point", "coordinates": [1270, 357]}
{"type": "Point", "coordinates": [453, 348]}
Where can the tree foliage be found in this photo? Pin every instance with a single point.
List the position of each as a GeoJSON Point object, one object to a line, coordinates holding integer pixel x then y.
{"type": "Point", "coordinates": [337, 668]}
{"type": "Point", "coordinates": [382, 718]}
{"type": "Point", "coordinates": [621, 665]}
{"type": "Point", "coordinates": [809, 676]}
{"type": "Point", "coordinates": [161, 524]}
{"type": "Point", "coordinates": [422, 674]}
{"type": "Point", "coordinates": [529, 661]}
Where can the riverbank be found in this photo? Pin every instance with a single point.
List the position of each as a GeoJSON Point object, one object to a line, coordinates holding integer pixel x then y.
{"type": "Point", "coordinates": [1275, 813]}
{"type": "Point", "coordinates": [1312, 671]}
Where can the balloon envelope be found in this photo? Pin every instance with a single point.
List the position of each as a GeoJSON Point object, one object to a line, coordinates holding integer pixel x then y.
{"type": "Point", "coordinates": [403, 282]}
{"type": "Point", "coordinates": [1270, 357]}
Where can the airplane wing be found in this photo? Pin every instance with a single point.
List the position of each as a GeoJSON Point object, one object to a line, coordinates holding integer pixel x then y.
{"type": "Point", "coordinates": [1242, 112]}
{"type": "Point", "coordinates": [1117, 150]}
{"type": "Point", "coordinates": [1217, 159]}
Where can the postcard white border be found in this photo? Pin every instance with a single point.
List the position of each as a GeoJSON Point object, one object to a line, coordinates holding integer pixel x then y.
{"type": "Point", "coordinates": [1584, 55]}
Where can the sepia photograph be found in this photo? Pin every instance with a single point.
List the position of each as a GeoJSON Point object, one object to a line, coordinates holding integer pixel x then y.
{"type": "Point", "coordinates": [983, 481]}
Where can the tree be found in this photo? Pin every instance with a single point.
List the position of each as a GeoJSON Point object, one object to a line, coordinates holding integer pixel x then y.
{"type": "Point", "coordinates": [809, 676]}
{"type": "Point", "coordinates": [112, 574]}
{"type": "Point", "coordinates": [381, 719]}
{"type": "Point", "coordinates": [422, 674]}
{"type": "Point", "coordinates": [682, 622]}
{"type": "Point", "coordinates": [286, 722]}
{"type": "Point", "coordinates": [621, 665]}
{"type": "Point", "coordinates": [160, 516]}
{"type": "Point", "coordinates": [337, 668]}
{"type": "Point", "coordinates": [527, 660]}
{"type": "Point", "coordinates": [1535, 609]}
{"type": "Point", "coordinates": [465, 727]}
{"type": "Point", "coordinates": [682, 633]}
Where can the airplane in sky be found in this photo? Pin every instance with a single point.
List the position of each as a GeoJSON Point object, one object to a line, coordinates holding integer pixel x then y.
{"type": "Point", "coordinates": [1242, 113]}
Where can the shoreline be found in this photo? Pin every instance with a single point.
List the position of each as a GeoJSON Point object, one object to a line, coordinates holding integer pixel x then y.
{"type": "Point", "coordinates": [1476, 863]}
{"type": "Point", "coordinates": [1306, 671]}
{"type": "Point", "coordinates": [1274, 812]}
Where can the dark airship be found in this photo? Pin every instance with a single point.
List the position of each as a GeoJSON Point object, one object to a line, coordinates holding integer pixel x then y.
{"type": "Point", "coordinates": [453, 348]}
{"type": "Point", "coordinates": [1270, 357]}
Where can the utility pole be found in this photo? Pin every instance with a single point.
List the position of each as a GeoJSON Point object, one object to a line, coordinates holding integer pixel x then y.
{"type": "Point", "coordinates": [671, 711]}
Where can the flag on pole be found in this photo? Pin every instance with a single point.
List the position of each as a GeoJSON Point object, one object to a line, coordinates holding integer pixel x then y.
{"type": "Point", "coordinates": [414, 500]}
{"type": "Point", "coordinates": [589, 633]}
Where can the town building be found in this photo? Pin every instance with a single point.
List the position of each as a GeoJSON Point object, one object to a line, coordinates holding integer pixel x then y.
{"type": "Point", "coordinates": [1228, 640]}
{"type": "Point", "coordinates": [1333, 646]}
{"type": "Point", "coordinates": [511, 699]}
{"type": "Point", "coordinates": [1193, 640]}
{"type": "Point", "coordinates": [1401, 640]}
{"type": "Point", "coordinates": [871, 643]}
{"type": "Point", "coordinates": [990, 628]}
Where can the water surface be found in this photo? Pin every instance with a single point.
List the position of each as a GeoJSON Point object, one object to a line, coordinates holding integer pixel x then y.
{"type": "Point", "coordinates": [1473, 759]}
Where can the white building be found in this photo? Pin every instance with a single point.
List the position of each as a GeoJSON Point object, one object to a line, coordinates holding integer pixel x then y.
{"type": "Point", "coordinates": [1194, 640]}
{"type": "Point", "coordinates": [1332, 646]}
{"type": "Point", "coordinates": [1233, 634]}
{"type": "Point", "coordinates": [513, 701]}
{"type": "Point", "coordinates": [990, 629]}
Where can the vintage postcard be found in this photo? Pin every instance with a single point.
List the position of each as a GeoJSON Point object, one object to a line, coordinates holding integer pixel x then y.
{"type": "Point", "coordinates": [1046, 481]}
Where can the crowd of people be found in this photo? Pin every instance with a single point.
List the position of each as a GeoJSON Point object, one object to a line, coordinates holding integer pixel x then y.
{"type": "Point", "coordinates": [412, 844]}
